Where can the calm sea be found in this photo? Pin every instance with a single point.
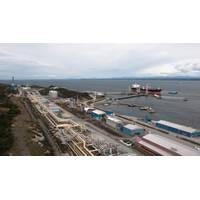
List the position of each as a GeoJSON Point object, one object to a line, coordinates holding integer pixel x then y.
{"type": "Point", "coordinates": [174, 110]}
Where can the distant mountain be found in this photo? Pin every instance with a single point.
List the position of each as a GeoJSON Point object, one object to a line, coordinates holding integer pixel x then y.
{"type": "Point", "coordinates": [152, 78]}
{"type": "Point", "coordinates": [116, 78]}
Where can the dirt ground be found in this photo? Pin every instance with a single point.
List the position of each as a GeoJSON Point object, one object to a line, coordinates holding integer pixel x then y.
{"type": "Point", "coordinates": [20, 128]}
{"type": "Point", "coordinates": [23, 130]}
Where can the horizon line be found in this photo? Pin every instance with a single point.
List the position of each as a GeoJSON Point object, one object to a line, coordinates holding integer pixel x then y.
{"type": "Point", "coordinates": [92, 78]}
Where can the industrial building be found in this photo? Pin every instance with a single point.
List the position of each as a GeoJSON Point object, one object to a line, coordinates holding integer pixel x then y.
{"type": "Point", "coordinates": [53, 93]}
{"type": "Point", "coordinates": [114, 122]}
{"type": "Point", "coordinates": [178, 129]}
{"type": "Point", "coordinates": [152, 144]}
{"type": "Point", "coordinates": [131, 130]}
{"type": "Point", "coordinates": [97, 114]}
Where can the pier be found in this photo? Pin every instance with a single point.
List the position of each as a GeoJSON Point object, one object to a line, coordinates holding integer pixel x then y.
{"type": "Point", "coordinates": [130, 96]}
{"type": "Point", "coordinates": [116, 93]}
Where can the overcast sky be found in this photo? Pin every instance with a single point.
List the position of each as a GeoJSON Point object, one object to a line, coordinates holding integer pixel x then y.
{"type": "Point", "coordinates": [38, 61]}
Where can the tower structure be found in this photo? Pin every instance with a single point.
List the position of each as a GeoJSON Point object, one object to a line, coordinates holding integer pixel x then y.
{"type": "Point", "coordinates": [13, 85]}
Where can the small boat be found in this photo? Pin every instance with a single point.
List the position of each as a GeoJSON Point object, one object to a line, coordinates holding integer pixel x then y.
{"type": "Point", "coordinates": [151, 110]}
{"type": "Point", "coordinates": [185, 99]}
{"type": "Point", "coordinates": [144, 108]}
{"type": "Point", "coordinates": [157, 96]}
{"type": "Point", "coordinates": [172, 92]}
{"type": "Point", "coordinates": [131, 105]}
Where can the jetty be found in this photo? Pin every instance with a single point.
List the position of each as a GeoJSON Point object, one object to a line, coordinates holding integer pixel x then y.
{"type": "Point", "coordinates": [130, 96]}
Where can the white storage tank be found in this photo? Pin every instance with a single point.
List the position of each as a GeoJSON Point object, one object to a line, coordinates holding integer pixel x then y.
{"type": "Point", "coordinates": [53, 93]}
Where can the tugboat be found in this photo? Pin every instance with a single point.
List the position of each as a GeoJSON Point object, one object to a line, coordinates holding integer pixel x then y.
{"type": "Point", "coordinates": [148, 109]}
{"type": "Point", "coordinates": [136, 88]}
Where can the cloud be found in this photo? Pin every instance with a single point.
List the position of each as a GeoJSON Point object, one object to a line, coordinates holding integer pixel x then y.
{"type": "Point", "coordinates": [188, 66]}
{"type": "Point", "coordinates": [179, 68]}
{"type": "Point", "coordinates": [98, 60]}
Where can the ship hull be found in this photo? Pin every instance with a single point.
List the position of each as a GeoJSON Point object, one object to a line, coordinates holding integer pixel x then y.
{"type": "Point", "coordinates": [143, 91]}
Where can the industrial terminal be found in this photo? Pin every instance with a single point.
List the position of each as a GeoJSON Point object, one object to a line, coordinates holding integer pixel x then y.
{"type": "Point", "coordinates": [75, 125]}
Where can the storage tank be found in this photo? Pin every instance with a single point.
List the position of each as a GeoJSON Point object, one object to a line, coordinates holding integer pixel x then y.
{"type": "Point", "coordinates": [53, 93]}
{"type": "Point", "coordinates": [131, 130]}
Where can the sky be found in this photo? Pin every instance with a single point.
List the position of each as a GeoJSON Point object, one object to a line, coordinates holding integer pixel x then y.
{"type": "Point", "coordinates": [66, 61]}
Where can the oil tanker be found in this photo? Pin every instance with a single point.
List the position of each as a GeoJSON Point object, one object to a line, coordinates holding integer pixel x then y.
{"type": "Point", "coordinates": [136, 88]}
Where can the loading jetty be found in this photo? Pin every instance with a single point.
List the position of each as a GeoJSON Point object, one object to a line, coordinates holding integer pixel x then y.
{"type": "Point", "coordinates": [130, 96]}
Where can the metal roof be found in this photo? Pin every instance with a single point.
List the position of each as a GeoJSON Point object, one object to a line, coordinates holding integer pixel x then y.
{"type": "Point", "coordinates": [172, 145]}
{"type": "Point", "coordinates": [98, 112]}
{"type": "Point", "coordinates": [155, 148]}
{"type": "Point", "coordinates": [114, 119]}
{"type": "Point", "coordinates": [132, 127]}
{"type": "Point", "coordinates": [177, 126]}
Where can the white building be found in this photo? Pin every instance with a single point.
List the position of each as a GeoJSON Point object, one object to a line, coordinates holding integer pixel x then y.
{"type": "Point", "coordinates": [114, 122]}
{"type": "Point", "coordinates": [131, 129]}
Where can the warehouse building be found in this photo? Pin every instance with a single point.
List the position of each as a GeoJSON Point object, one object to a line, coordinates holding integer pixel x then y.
{"type": "Point", "coordinates": [114, 122]}
{"type": "Point", "coordinates": [97, 114]}
{"type": "Point", "coordinates": [152, 144]}
{"type": "Point", "coordinates": [179, 129]}
{"type": "Point", "coordinates": [131, 130]}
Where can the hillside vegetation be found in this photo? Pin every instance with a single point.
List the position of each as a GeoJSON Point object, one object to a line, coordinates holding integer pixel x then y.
{"type": "Point", "coordinates": [65, 93]}
{"type": "Point", "coordinates": [8, 111]}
